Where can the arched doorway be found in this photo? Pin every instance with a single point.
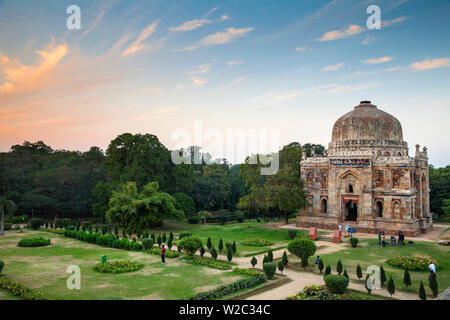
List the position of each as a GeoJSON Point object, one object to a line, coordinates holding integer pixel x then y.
{"type": "Point", "coordinates": [379, 209]}
{"type": "Point", "coordinates": [351, 211]}
{"type": "Point", "coordinates": [324, 206]}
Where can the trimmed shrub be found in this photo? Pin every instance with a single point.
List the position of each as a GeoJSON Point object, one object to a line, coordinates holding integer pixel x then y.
{"type": "Point", "coordinates": [2, 264]}
{"type": "Point", "coordinates": [359, 272]}
{"type": "Point", "coordinates": [190, 244]}
{"type": "Point", "coordinates": [34, 242]}
{"type": "Point", "coordinates": [103, 240]}
{"type": "Point", "coordinates": [406, 279]}
{"type": "Point", "coordinates": [391, 286]}
{"type": "Point", "coordinates": [354, 242]}
{"type": "Point", "coordinates": [280, 266]}
{"type": "Point", "coordinates": [433, 284]}
{"type": "Point", "coordinates": [412, 263]}
{"type": "Point", "coordinates": [209, 243]}
{"type": "Point", "coordinates": [118, 266]}
{"type": "Point", "coordinates": [339, 267]}
{"type": "Point", "coordinates": [321, 265]}
{"type": "Point", "coordinates": [220, 245]}
{"type": "Point", "coordinates": [270, 255]}
{"type": "Point", "coordinates": [292, 234]}
{"type": "Point", "coordinates": [302, 248]}
{"type": "Point", "coordinates": [233, 247]}
{"type": "Point", "coordinates": [36, 223]}
{"type": "Point", "coordinates": [327, 271]}
{"type": "Point", "coordinates": [382, 276]}
{"type": "Point", "coordinates": [159, 240]}
{"type": "Point", "coordinates": [285, 259]}
{"type": "Point", "coordinates": [346, 274]}
{"type": "Point", "coordinates": [336, 284]}
{"type": "Point", "coordinates": [369, 290]}
{"type": "Point", "coordinates": [147, 243]}
{"type": "Point", "coordinates": [202, 251]}
{"type": "Point", "coordinates": [269, 269]}
{"type": "Point", "coordinates": [230, 288]}
{"type": "Point", "coordinates": [213, 253]}
{"type": "Point", "coordinates": [422, 294]}
{"type": "Point", "coordinates": [104, 229]}
{"type": "Point", "coordinates": [255, 242]}
{"type": "Point", "coordinates": [229, 254]}
{"type": "Point", "coordinates": [254, 261]}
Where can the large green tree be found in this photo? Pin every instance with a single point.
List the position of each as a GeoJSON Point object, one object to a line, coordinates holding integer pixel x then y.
{"type": "Point", "coordinates": [440, 188]}
{"type": "Point", "coordinates": [141, 210]}
{"type": "Point", "coordinates": [6, 207]}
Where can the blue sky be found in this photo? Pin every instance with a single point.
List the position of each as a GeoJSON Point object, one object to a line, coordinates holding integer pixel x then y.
{"type": "Point", "coordinates": [158, 66]}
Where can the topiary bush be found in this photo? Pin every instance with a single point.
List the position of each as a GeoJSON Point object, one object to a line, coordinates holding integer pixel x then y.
{"type": "Point", "coordinates": [354, 242]}
{"type": "Point", "coordinates": [336, 284]}
{"type": "Point", "coordinates": [147, 243]}
{"type": "Point", "coordinates": [2, 264]}
{"type": "Point", "coordinates": [36, 223]}
{"type": "Point", "coordinates": [302, 248]}
{"type": "Point", "coordinates": [118, 266]}
{"type": "Point", "coordinates": [34, 242]}
{"type": "Point", "coordinates": [269, 269]}
{"type": "Point", "coordinates": [190, 244]}
{"type": "Point", "coordinates": [168, 254]}
{"type": "Point", "coordinates": [292, 234]}
{"type": "Point", "coordinates": [182, 235]}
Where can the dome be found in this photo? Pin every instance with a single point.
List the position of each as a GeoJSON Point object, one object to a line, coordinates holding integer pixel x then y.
{"type": "Point", "coordinates": [367, 122]}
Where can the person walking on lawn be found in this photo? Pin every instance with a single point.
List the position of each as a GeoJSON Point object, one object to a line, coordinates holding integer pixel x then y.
{"type": "Point", "coordinates": [163, 253]}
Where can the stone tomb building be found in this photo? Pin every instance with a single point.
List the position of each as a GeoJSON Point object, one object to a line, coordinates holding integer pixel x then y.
{"type": "Point", "coordinates": [366, 178]}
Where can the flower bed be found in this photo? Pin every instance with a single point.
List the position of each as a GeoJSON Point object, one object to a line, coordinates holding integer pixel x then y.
{"type": "Point", "coordinates": [118, 266]}
{"type": "Point", "coordinates": [230, 288]}
{"type": "Point", "coordinates": [255, 242]}
{"type": "Point", "coordinates": [210, 263]}
{"type": "Point", "coordinates": [34, 242]}
{"type": "Point", "coordinates": [19, 290]}
{"type": "Point", "coordinates": [169, 253]}
{"type": "Point", "coordinates": [412, 263]}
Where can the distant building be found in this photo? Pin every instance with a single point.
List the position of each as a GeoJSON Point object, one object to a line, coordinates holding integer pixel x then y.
{"type": "Point", "coordinates": [366, 178]}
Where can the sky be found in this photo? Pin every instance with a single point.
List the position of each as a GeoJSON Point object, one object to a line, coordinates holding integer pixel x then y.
{"type": "Point", "coordinates": [290, 68]}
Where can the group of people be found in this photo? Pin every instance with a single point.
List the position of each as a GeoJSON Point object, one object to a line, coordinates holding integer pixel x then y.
{"type": "Point", "coordinates": [394, 242]}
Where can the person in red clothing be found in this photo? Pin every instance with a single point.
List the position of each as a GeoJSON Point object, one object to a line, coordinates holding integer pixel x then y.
{"type": "Point", "coordinates": [163, 252]}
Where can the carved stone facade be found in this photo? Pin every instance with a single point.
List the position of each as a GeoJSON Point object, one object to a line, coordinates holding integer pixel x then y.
{"type": "Point", "coordinates": [366, 178]}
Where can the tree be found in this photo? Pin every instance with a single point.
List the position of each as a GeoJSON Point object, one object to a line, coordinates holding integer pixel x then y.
{"type": "Point", "coordinates": [220, 245]}
{"type": "Point", "coordinates": [339, 267]}
{"type": "Point", "coordinates": [265, 259]}
{"type": "Point", "coordinates": [203, 215]}
{"type": "Point", "coordinates": [406, 279]}
{"type": "Point", "coordinates": [202, 251]}
{"type": "Point", "coordinates": [346, 274]}
{"type": "Point", "coordinates": [233, 247]}
{"type": "Point", "coordinates": [159, 240]}
{"type": "Point", "coordinates": [170, 243]}
{"type": "Point", "coordinates": [439, 189]}
{"type": "Point", "coordinates": [6, 207]}
{"type": "Point", "coordinates": [270, 255]}
{"type": "Point", "coordinates": [359, 272]}
{"type": "Point", "coordinates": [190, 244]}
{"type": "Point", "coordinates": [391, 286]}
{"type": "Point", "coordinates": [433, 284]}
{"type": "Point", "coordinates": [302, 248]}
{"type": "Point", "coordinates": [164, 237]}
{"type": "Point", "coordinates": [253, 262]}
{"type": "Point", "coordinates": [229, 254]}
{"type": "Point", "coordinates": [209, 243]}
{"type": "Point", "coordinates": [327, 271]}
{"type": "Point", "coordinates": [281, 266]}
{"type": "Point", "coordinates": [422, 294]}
{"type": "Point", "coordinates": [382, 276]}
{"type": "Point", "coordinates": [284, 258]}
{"type": "Point", "coordinates": [141, 210]}
{"type": "Point", "coordinates": [184, 203]}
{"type": "Point", "coordinates": [213, 253]}
{"type": "Point", "coordinates": [369, 289]}
{"type": "Point", "coordinates": [321, 266]}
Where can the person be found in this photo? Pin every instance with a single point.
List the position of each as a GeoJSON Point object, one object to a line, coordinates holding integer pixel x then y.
{"type": "Point", "coordinates": [317, 260]}
{"type": "Point", "coordinates": [393, 241]}
{"type": "Point", "coordinates": [340, 228]}
{"type": "Point", "coordinates": [383, 240]}
{"type": "Point", "coordinates": [379, 238]}
{"type": "Point", "coordinates": [432, 267]}
{"type": "Point", "coordinates": [401, 238]}
{"type": "Point", "coordinates": [347, 225]}
{"type": "Point", "coordinates": [163, 253]}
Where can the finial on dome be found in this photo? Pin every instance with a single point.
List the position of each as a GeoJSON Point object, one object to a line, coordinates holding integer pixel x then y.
{"type": "Point", "coordinates": [366, 102]}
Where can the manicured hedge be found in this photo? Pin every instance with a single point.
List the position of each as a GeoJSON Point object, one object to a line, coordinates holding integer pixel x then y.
{"type": "Point", "coordinates": [247, 272]}
{"type": "Point", "coordinates": [36, 223]}
{"type": "Point", "coordinates": [210, 263]}
{"type": "Point", "coordinates": [168, 254]}
{"type": "Point", "coordinates": [57, 231]}
{"type": "Point", "coordinates": [230, 288]}
{"type": "Point", "coordinates": [255, 242]}
{"type": "Point", "coordinates": [107, 240]}
{"type": "Point", "coordinates": [20, 290]}
{"type": "Point", "coordinates": [269, 269]}
{"type": "Point", "coordinates": [34, 242]}
{"type": "Point", "coordinates": [118, 266]}
{"type": "Point", "coordinates": [337, 284]}
{"type": "Point", "coordinates": [412, 263]}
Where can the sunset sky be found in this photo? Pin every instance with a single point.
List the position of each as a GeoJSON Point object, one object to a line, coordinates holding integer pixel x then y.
{"type": "Point", "coordinates": [158, 66]}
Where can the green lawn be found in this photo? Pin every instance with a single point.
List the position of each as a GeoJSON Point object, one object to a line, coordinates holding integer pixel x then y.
{"type": "Point", "coordinates": [44, 268]}
{"type": "Point", "coordinates": [233, 232]}
{"type": "Point", "coordinates": [369, 252]}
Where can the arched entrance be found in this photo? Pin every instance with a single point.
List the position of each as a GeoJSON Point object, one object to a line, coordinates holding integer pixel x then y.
{"type": "Point", "coordinates": [351, 211]}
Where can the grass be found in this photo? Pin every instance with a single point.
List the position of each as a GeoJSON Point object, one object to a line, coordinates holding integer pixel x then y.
{"type": "Point", "coordinates": [44, 268]}
{"type": "Point", "coordinates": [370, 253]}
{"type": "Point", "coordinates": [234, 232]}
